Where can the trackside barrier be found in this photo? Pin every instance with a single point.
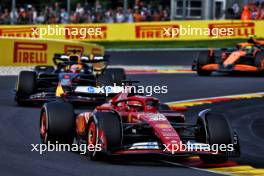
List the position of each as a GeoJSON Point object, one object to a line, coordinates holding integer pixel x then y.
{"type": "Point", "coordinates": [32, 51]}
{"type": "Point", "coordinates": [146, 31]}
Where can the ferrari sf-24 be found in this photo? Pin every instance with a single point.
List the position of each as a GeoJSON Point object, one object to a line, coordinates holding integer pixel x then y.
{"type": "Point", "coordinates": [131, 124]}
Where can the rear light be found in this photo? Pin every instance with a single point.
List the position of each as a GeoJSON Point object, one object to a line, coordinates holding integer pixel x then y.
{"type": "Point", "coordinates": [66, 77]}
{"type": "Point", "coordinates": [223, 55]}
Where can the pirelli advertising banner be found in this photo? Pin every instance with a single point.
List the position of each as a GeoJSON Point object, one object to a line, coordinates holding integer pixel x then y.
{"type": "Point", "coordinates": [28, 52]}
{"type": "Point", "coordinates": [147, 31]}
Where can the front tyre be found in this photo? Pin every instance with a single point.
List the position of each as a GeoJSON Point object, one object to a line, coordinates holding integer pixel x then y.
{"type": "Point", "coordinates": [25, 86]}
{"type": "Point", "coordinates": [259, 60]}
{"type": "Point", "coordinates": [203, 59]}
{"type": "Point", "coordinates": [104, 132]}
{"type": "Point", "coordinates": [214, 129]}
{"type": "Point", "coordinates": [57, 123]}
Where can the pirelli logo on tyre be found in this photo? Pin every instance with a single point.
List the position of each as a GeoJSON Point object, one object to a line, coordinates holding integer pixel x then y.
{"type": "Point", "coordinates": [30, 53]}
{"type": "Point", "coordinates": [241, 29]}
{"type": "Point", "coordinates": [153, 31]}
{"type": "Point", "coordinates": [18, 32]}
{"type": "Point", "coordinates": [162, 126]}
{"type": "Point", "coordinates": [91, 32]}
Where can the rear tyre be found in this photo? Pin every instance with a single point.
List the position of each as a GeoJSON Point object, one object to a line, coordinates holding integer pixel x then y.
{"type": "Point", "coordinates": [259, 60]}
{"type": "Point", "coordinates": [104, 130]}
{"type": "Point", "coordinates": [203, 59]}
{"type": "Point", "coordinates": [113, 75]}
{"type": "Point", "coordinates": [57, 123]}
{"type": "Point", "coordinates": [216, 128]}
{"type": "Point", "coordinates": [26, 84]}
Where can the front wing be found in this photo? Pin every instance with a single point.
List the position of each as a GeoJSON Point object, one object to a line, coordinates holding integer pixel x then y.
{"type": "Point", "coordinates": [44, 97]}
{"type": "Point", "coordinates": [155, 150]}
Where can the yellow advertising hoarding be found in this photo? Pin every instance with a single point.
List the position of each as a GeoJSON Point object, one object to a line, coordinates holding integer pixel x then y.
{"type": "Point", "coordinates": [30, 51]}
{"type": "Point", "coordinates": [147, 31]}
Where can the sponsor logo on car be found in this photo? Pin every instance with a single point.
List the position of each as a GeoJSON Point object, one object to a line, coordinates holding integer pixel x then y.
{"type": "Point", "coordinates": [157, 117]}
{"type": "Point", "coordinates": [144, 145]}
{"type": "Point", "coordinates": [90, 89]}
{"type": "Point", "coordinates": [162, 125]}
{"type": "Point", "coordinates": [38, 95]}
{"type": "Point", "coordinates": [30, 53]}
{"type": "Point", "coordinates": [170, 134]}
{"type": "Point", "coordinates": [166, 130]}
{"type": "Point", "coordinates": [98, 90]}
{"type": "Point", "coordinates": [154, 31]}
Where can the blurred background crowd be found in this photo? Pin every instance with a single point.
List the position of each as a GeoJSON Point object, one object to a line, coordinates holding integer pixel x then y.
{"type": "Point", "coordinates": [250, 11]}
{"type": "Point", "coordinates": [87, 12]}
{"type": "Point", "coordinates": [106, 11]}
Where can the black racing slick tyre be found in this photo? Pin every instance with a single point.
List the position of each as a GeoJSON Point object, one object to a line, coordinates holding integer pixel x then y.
{"type": "Point", "coordinates": [57, 123]}
{"type": "Point", "coordinates": [259, 60]}
{"type": "Point", "coordinates": [113, 76]}
{"type": "Point", "coordinates": [25, 85]}
{"type": "Point", "coordinates": [203, 59]}
{"type": "Point", "coordinates": [104, 126]}
{"type": "Point", "coordinates": [217, 130]}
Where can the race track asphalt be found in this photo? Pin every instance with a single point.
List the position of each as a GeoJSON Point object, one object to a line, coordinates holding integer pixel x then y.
{"type": "Point", "coordinates": [19, 126]}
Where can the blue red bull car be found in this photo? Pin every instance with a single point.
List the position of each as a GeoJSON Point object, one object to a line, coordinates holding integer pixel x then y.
{"type": "Point", "coordinates": [75, 78]}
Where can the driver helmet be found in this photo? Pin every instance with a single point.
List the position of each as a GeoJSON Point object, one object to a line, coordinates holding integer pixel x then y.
{"type": "Point", "coordinates": [135, 105]}
{"type": "Point", "coordinates": [252, 39]}
{"type": "Point", "coordinates": [74, 58]}
{"type": "Point", "coordinates": [249, 49]}
{"type": "Point", "coordinates": [76, 68]}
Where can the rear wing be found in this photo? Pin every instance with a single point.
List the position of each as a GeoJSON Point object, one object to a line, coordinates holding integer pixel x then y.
{"type": "Point", "coordinates": [58, 58]}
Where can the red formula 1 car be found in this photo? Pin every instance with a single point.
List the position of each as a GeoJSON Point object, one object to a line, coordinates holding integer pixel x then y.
{"type": "Point", "coordinates": [133, 124]}
{"type": "Point", "coordinates": [246, 57]}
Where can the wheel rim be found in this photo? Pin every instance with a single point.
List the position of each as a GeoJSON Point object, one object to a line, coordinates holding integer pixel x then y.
{"type": "Point", "coordinates": [92, 134]}
{"type": "Point", "coordinates": [262, 63]}
{"type": "Point", "coordinates": [43, 127]}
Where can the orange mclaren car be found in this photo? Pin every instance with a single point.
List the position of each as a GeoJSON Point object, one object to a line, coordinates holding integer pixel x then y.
{"type": "Point", "coordinates": [246, 57]}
